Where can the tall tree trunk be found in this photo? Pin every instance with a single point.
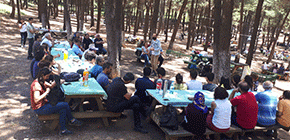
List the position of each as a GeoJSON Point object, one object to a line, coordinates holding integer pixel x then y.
{"type": "Point", "coordinates": [92, 13]}
{"type": "Point", "coordinates": [82, 8]}
{"type": "Point", "coordinates": [137, 18]}
{"type": "Point", "coordinates": [167, 22]}
{"type": "Point", "coordinates": [113, 28]}
{"type": "Point", "coordinates": [222, 36]}
{"type": "Point", "coordinates": [100, 4]}
{"type": "Point", "coordinates": [190, 25]}
{"type": "Point", "coordinates": [153, 22]}
{"type": "Point", "coordinates": [123, 15]}
{"type": "Point", "coordinates": [246, 30]}
{"type": "Point", "coordinates": [67, 21]}
{"type": "Point", "coordinates": [194, 23]}
{"type": "Point", "coordinates": [12, 15]}
{"type": "Point", "coordinates": [18, 10]}
{"type": "Point", "coordinates": [161, 19]}
{"type": "Point", "coordinates": [26, 4]}
{"type": "Point", "coordinates": [277, 36]}
{"type": "Point", "coordinates": [268, 31]}
{"type": "Point", "coordinates": [208, 29]}
{"type": "Point", "coordinates": [241, 26]}
{"type": "Point", "coordinates": [145, 31]}
{"type": "Point", "coordinates": [170, 47]}
{"type": "Point", "coordinates": [254, 33]}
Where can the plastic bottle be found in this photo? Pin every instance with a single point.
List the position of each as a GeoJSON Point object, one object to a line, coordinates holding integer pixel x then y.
{"type": "Point", "coordinates": [85, 77]}
{"type": "Point", "coordinates": [65, 54]}
{"type": "Point", "coordinates": [159, 85]}
{"type": "Point", "coordinates": [165, 88]}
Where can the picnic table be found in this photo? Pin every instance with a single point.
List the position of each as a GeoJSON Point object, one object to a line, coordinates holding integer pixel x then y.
{"type": "Point", "coordinates": [237, 65]}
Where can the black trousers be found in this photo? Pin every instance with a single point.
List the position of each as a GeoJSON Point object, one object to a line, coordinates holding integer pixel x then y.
{"type": "Point", "coordinates": [31, 41]}
{"type": "Point", "coordinates": [23, 37]}
{"type": "Point", "coordinates": [135, 104]}
{"type": "Point", "coordinates": [160, 59]}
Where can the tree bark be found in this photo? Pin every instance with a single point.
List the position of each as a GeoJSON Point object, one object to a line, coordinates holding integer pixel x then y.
{"type": "Point", "coordinates": [12, 15]}
{"type": "Point", "coordinates": [137, 18]}
{"type": "Point", "coordinates": [208, 28]}
{"type": "Point", "coordinates": [254, 33]}
{"type": "Point", "coordinates": [222, 36]}
{"type": "Point", "coordinates": [113, 28]}
{"type": "Point", "coordinates": [154, 21]}
{"type": "Point", "coordinates": [170, 47]}
{"type": "Point", "coordinates": [92, 13]}
{"type": "Point", "coordinates": [168, 20]}
{"type": "Point", "coordinates": [161, 19]}
{"type": "Point", "coordinates": [82, 8]}
{"type": "Point", "coordinates": [67, 18]}
{"type": "Point", "coordinates": [190, 25]}
{"type": "Point", "coordinates": [100, 4]}
{"type": "Point", "coordinates": [18, 10]}
{"type": "Point", "coordinates": [277, 36]}
{"type": "Point", "coordinates": [145, 31]}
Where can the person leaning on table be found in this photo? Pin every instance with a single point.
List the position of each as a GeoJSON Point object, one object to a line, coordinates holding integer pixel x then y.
{"type": "Point", "coordinates": [39, 90]}
{"type": "Point", "coordinates": [283, 116]}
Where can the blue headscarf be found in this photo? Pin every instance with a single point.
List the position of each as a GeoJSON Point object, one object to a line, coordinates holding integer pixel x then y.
{"type": "Point", "coordinates": [199, 102]}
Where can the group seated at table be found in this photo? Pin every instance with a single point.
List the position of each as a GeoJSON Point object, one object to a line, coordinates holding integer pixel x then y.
{"type": "Point", "coordinates": [274, 68]}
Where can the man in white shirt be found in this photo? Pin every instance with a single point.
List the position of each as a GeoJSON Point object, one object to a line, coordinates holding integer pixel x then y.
{"type": "Point", "coordinates": [193, 84]}
{"type": "Point", "coordinates": [47, 39]}
{"type": "Point", "coordinates": [155, 48]}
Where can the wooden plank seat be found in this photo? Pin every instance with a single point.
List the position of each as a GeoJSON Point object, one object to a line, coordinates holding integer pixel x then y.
{"type": "Point", "coordinates": [79, 115]}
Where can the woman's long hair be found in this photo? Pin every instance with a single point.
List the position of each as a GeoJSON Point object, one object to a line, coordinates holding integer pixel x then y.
{"type": "Point", "coordinates": [42, 72]}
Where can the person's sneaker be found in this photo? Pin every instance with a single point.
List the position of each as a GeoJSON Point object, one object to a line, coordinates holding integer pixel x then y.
{"type": "Point", "coordinates": [139, 129]}
{"type": "Point", "coordinates": [65, 132]}
{"type": "Point", "coordinates": [75, 123]}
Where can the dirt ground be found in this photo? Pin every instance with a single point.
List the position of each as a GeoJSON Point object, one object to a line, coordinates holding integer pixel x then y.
{"type": "Point", "coordinates": [18, 121]}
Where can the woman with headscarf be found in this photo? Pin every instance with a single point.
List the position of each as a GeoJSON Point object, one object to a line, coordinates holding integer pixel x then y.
{"type": "Point", "coordinates": [195, 116]}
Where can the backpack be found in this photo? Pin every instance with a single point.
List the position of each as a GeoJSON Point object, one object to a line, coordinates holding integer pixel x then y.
{"type": "Point", "coordinates": [169, 118]}
{"type": "Point", "coordinates": [70, 76]}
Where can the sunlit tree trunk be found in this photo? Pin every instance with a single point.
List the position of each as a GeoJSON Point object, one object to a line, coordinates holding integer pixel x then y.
{"type": "Point", "coordinates": [67, 21]}
{"type": "Point", "coordinates": [153, 22]}
{"type": "Point", "coordinates": [168, 20]}
{"type": "Point", "coordinates": [18, 10]}
{"type": "Point", "coordinates": [12, 15]}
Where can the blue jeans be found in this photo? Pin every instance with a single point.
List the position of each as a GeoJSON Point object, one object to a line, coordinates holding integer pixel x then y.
{"type": "Point", "coordinates": [145, 56]}
{"type": "Point", "coordinates": [61, 107]}
{"type": "Point", "coordinates": [23, 37]}
{"type": "Point", "coordinates": [102, 51]}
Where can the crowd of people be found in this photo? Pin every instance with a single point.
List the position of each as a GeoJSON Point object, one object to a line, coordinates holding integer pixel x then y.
{"type": "Point", "coordinates": [274, 68]}
{"type": "Point", "coordinates": [251, 110]}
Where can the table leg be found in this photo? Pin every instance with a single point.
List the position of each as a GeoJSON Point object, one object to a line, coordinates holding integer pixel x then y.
{"type": "Point", "coordinates": [82, 105]}
{"type": "Point", "coordinates": [101, 107]}
{"type": "Point", "coordinates": [152, 106]}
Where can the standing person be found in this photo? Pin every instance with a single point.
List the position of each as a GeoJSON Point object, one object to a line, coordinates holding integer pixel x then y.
{"type": "Point", "coordinates": [155, 48]}
{"type": "Point", "coordinates": [23, 32]}
{"type": "Point", "coordinates": [119, 99]}
{"type": "Point", "coordinates": [193, 84]}
{"type": "Point", "coordinates": [283, 117]}
{"type": "Point", "coordinates": [219, 120]}
{"type": "Point", "coordinates": [39, 89]}
{"type": "Point", "coordinates": [247, 108]}
{"type": "Point", "coordinates": [99, 44]}
{"type": "Point", "coordinates": [195, 116]}
{"type": "Point", "coordinates": [30, 36]}
{"type": "Point", "coordinates": [87, 41]}
{"type": "Point", "coordinates": [103, 78]}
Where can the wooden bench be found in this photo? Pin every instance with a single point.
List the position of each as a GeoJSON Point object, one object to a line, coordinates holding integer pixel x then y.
{"type": "Point", "coordinates": [264, 77]}
{"type": "Point", "coordinates": [79, 115]}
{"type": "Point", "coordinates": [234, 130]}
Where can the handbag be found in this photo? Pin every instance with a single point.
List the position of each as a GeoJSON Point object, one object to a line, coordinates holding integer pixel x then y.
{"type": "Point", "coordinates": [169, 118]}
{"type": "Point", "coordinates": [70, 76]}
{"type": "Point", "coordinates": [57, 93]}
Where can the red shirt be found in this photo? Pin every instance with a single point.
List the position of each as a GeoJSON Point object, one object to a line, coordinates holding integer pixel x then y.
{"type": "Point", "coordinates": [247, 110]}
{"type": "Point", "coordinates": [42, 102]}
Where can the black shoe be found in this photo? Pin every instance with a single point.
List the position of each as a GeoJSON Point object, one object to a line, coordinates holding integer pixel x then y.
{"type": "Point", "coordinates": [75, 123]}
{"type": "Point", "coordinates": [65, 132]}
{"type": "Point", "coordinates": [29, 57]}
{"type": "Point", "coordinates": [139, 129]}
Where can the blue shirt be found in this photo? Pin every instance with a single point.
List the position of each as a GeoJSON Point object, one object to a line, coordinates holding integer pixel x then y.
{"type": "Point", "coordinates": [103, 80]}
{"type": "Point", "coordinates": [96, 70]}
{"type": "Point", "coordinates": [77, 50]}
{"type": "Point", "coordinates": [266, 107]}
{"type": "Point", "coordinates": [141, 85]}
{"type": "Point", "coordinates": [209, 87]}
{"type": "Point", "coordinates": [35, 69]}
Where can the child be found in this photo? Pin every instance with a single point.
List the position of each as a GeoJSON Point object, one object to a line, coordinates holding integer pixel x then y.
{"type": "Point", "coordinates": [179, 84]}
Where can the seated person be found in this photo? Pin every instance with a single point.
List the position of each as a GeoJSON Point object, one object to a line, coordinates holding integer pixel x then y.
{"type": "Point", "coordinates": [87, 41]}
{"type": "Point", "coordinates": [99, 44]}
{"type": "Point", "coordinates": [249, 81]}
{"type": "Point", "coordinates": [161, 74]}
{"type": "Point", "coordinates": [91, 59]}
{"type": "Point", "coordinates": [236, 80]}
{"type": "Point", "coordinates": [36, 44]}
{"type": "Point", "coordinates": [195, 115]}
{"type": "Point", "coordinates": [265, 66]}
{"type": "Point", "coordinates": [39, 90]}
{"type": "Point", "coordinates": [219, 120]}
{"type": "Point", "coordinates": [247, 108]}
{"type": "Point", "coordinates": [145, 54]}
{"type": "Point", "coordinates": [225, 83]}
{"type": "Point", "coordinates": [103, 78]}
{"type": "Point", "coordinates": [90, 49]}
{"type": "Point", "coordinates": [210, 86]}
{"type": "Point", "coordinates": [47, 39]}
{"type": "Point", "coordinates": [119, 99]}
{"type": "Point", "coordinates": [193, 84]}
{"type": "Point", "coordinates": [39, 54]}
{"type": "Point", "coordinates": [283, 116]}
{"type": "Point", "coordinates": [281, 69]}
{"type": "Point", "coordinates": [77, 48]}
{"type": "Point", "coordinates": [179, 84]}
{"type": "Point", "coordinates": [142, 84]}
{"type": "Point", "coordinates": [255, 78]}
{"type": "Point", "coordinates": [97, 69]}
